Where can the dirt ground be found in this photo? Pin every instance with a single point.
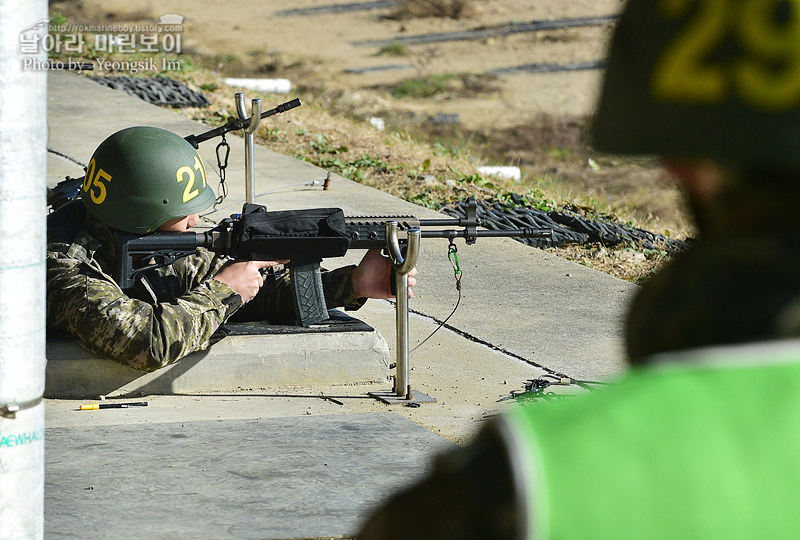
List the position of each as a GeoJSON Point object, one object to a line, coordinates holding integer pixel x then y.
{"type": "Point", "coordinates": [311, 45]}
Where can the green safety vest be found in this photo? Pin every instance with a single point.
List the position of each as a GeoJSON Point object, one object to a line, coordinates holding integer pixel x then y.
{"type": "Point", "coordinates": [705, 446]}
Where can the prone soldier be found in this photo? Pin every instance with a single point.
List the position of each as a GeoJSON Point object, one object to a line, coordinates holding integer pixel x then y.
{"type": "Point", "coordinates": [145, 179]}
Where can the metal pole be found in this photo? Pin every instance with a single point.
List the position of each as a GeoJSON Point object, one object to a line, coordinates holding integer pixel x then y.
{"type": "Point", "coordinates": [403, 263]}
{"type": "Point", "coordinates": [249, 144]}
{"type": "Point", "coordinates": [23, 210]}
{"type": "Point", "coordinates": [402, 266]}
{"type": "Point", "coordinates": [402, 383]}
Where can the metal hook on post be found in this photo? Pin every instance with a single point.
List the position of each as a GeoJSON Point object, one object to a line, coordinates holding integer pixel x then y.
{"type": "Point", "coordinates": [249, 143]}
{"type": "Point", "coordinates": [403, 263]}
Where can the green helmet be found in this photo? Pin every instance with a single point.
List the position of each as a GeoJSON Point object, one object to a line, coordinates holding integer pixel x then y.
{"type": "Point", "coordinates": [716, 78]}
{"type": "Point", "coordinates": [140, 177]}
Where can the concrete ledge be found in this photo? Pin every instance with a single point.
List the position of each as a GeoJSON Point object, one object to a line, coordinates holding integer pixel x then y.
{"type": "Point", "coordinates": [233, 362]}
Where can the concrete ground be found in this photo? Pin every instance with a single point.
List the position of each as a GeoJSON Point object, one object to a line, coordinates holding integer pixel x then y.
{"type": "Point", "coordinates": [523, 313]}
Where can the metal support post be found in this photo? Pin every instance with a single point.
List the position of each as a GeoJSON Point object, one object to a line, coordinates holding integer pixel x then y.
{"type": "Point", "coordinates": [402, 387]}
{"type": "Point", "coordinates": [403, 263]}
{"type": "Point", "coordinates": [249, 143]}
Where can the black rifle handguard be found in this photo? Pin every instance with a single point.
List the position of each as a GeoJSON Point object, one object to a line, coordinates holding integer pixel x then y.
{"type": "Point", "coordinates": [303, 236]}
{"type": "Point", "coordinates": [270, 236]}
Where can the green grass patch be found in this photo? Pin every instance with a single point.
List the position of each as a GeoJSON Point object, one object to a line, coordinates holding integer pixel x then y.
{"type": "Point", "coordinates": [393, 49]}
{"type": "Point", "coordinates": [423, 87]}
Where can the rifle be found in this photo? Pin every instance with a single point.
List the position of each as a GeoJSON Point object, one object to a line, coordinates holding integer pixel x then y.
{"type": "Point", "coordinates": [235, 124]}
{"type": "Point", "coordinates": [305, 237]}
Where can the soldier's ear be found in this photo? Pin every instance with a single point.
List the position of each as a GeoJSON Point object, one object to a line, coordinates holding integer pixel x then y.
{"type": "Point", "coordinates": [180, 224]}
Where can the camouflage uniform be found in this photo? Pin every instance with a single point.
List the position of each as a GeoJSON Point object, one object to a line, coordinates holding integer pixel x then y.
{"type": "Point", "coordinates": [172, 312]}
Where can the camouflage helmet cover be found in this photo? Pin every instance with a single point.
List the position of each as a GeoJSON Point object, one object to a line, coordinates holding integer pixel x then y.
{"type": "Point", "coordinates": [704, 78]}
{"type": "Point", "coordinates": [140, 177]}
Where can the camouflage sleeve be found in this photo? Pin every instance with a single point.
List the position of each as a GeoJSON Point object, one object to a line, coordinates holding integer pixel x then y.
{"type": "Point", "coordinates": [274, 302]}
{"type": "Point", "coordinates": [338, 285]}
{"type": "Point", "coordinates": [133, 332]}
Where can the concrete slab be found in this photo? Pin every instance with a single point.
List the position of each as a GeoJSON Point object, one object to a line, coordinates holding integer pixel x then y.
{"type": "Point", "coordinates": [234, 479]}
{"type": "Point", "coordinates": [242, 358]}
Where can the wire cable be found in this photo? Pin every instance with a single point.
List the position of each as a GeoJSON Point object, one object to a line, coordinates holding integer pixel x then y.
{"type": "Point", "coordinates": [452, 255]}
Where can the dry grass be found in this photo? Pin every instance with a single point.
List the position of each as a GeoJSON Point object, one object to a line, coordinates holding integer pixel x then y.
{"type": "Point", "coordinates": [628, 264]}
{"type": "Point", "coordinates": [391, 161]}
{"type": "Point", "coordinates": [558, 165]}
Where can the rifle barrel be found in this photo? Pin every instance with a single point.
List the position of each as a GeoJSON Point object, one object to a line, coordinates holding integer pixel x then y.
{"type": "Point", "coordinates": [234, 124]}
{"type": "Point", "coordinates": [455, 222]}
{"type": "Point", "coordinates": [482, 233]}
{"type": "Point", "coordinates": [283, 107]}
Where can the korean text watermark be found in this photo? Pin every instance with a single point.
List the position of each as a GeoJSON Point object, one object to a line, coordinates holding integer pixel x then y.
{"type": "Point", "coordinates": [72, 40]}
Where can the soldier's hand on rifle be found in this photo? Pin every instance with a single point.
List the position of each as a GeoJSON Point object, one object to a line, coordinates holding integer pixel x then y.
{"type": "Point", "coordinates": [244, 277]}
{"type": "Point", "coordinates": [372, 277]}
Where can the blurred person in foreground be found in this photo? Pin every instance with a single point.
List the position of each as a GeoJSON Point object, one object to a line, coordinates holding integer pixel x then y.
{"type": "Point", "coordinates": [701, 438]}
